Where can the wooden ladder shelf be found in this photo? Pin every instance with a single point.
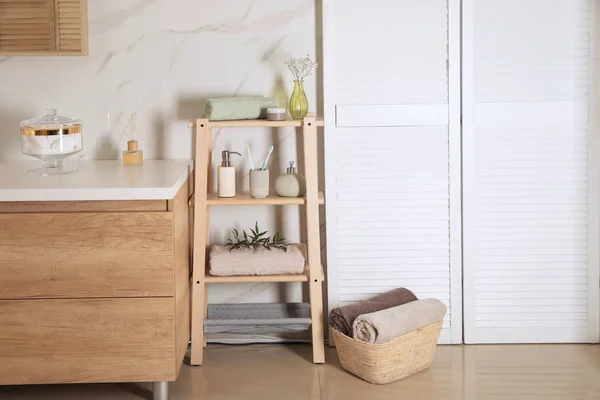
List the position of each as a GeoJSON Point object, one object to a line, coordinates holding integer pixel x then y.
{"type": "Point", "coordinates": [313, 274]}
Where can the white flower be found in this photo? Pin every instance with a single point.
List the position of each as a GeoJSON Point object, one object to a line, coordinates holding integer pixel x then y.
{"type": "Point", "coordinates": [301, 67]}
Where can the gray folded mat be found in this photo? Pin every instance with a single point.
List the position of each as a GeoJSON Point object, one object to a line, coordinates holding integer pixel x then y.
{"type": "Point", "coordinates": [386, 325]}
{"type": "Point", "coordinates": [249, 318]}
{"type": "Point", "coordinates": [236, 108]}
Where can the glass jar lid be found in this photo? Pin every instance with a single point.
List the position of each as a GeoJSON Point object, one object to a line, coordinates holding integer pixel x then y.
{"type": "Point", "coordinates": [51, 124]}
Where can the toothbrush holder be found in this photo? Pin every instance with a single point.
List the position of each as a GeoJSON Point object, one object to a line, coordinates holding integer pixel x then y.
{"type": "Point", "coordinates": [259, 183]}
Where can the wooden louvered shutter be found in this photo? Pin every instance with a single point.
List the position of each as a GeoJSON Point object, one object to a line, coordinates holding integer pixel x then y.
{"type": "Point", "coordinates": [392, 151]}
{"type": "Point", "coordinates": [43, 27]}
{"type": "Point", "coordinates": [530, 171]}
{"type": "Point", "coordinates": [70, 26]}
{"type": "Point", "coordinates": [27, 25]}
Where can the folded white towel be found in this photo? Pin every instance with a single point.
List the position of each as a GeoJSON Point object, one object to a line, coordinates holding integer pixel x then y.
{"type": "Point", "coordinates": [385, 325]}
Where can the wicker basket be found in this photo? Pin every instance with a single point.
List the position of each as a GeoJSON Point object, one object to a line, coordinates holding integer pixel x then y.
{"type": "Point", "coordinates": [388, 362]}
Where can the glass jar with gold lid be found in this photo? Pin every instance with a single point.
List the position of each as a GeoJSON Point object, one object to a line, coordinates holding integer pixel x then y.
{"type": "Point", "coordinates": [52, 139]}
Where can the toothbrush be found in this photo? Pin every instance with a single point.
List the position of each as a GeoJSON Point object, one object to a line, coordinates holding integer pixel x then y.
{"type": "Point", "coordinates": [264, 166]}
{"type": "Point", "coordinates": [250, 157]}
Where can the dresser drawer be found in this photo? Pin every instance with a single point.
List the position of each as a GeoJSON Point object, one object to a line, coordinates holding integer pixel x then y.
{"type": "Point", "coordinates": [95, 340]}
{"type": "Point", "coordinates": [82, 206]}
{"type": "Point", "coordinates": [86, 255]}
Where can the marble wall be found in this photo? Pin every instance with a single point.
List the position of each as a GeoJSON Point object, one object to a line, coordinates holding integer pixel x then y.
{"type": "Point", "coordinates": [161, 59]}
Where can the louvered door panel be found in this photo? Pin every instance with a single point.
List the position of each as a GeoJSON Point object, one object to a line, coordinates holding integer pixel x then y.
{"type": "Point", "coordinates": [43, 27]}
{"type": "Point", "coordinates": [27, 25]}
{"type": "Point", "coordinates": [390, 153]}
{"type": "Point", "coordinates": [393, 220]}
{"type": "Point", "coordinates": [70, 30]}
{"type": "Point", "coordinates": [531, 272]}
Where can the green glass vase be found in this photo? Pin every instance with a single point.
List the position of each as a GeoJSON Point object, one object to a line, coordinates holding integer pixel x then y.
{"type": "Point", "coordinates": [298, 101]}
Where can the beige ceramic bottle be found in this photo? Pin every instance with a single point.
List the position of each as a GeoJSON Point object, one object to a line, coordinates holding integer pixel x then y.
{"type": "Point", "coordinates": [290, 184]}
{"type": "Point", "coordinates": [227, 175]}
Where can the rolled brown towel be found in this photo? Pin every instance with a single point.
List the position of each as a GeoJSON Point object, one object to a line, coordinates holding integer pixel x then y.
{"type": "Point", "coordinates": [342, 318]}
{"type": "Point", "coordinates": [385, 325]}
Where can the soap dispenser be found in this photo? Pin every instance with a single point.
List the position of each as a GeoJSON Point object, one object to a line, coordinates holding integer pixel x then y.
{"type": "Point", "coordinates": [290, 184]}
{"type": "Point", "coordinates": [227, 175]}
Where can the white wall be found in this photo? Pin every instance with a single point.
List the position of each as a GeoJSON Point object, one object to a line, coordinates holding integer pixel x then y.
{"type": "Point", "coordinates": [162, 58]}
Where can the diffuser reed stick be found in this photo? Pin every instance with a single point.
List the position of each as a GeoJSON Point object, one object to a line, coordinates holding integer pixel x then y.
{"type": "Point", "coordinates": [133, 155]}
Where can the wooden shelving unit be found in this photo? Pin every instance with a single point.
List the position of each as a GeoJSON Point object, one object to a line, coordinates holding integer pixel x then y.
{"type": "Point", "coordinates": [313, 275]}
{"type": "Point", "coordinates": [257, 278]}
{"type": "Point", "coordinates": [244, 199]}
{"type": "Point", "coordinates": [256, 123]}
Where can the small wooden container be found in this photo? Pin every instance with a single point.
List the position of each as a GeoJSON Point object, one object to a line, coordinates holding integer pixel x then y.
{"type": "Point", "coordinates": [133, 156]}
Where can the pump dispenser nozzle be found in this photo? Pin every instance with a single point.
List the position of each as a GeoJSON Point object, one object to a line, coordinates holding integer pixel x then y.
{"type": "Point", "coordinates": [225, 157]}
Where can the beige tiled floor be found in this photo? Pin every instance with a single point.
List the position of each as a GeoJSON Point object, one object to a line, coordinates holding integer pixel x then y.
{"type": "Point", "coordinates": [283, 372]}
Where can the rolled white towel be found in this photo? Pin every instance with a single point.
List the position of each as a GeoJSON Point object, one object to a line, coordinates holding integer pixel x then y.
{"type": "Point", "coordinates": [385, 325]}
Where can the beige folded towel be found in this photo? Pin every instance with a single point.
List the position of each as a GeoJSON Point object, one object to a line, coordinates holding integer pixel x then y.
{"type": "Point", "coordinates": [258, 261]}
{"type": "Point", "coordinates": [341, 318]}
{"type": "Point", "coordinates": [385, 325]}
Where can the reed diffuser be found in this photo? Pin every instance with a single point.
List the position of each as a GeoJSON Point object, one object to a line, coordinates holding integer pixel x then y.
{"type": "Point", "coordinates": [133, 155]}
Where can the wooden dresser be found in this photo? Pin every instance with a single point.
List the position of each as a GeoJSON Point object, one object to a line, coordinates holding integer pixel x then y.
{"type": "Point", "coordinates": [94, 273]}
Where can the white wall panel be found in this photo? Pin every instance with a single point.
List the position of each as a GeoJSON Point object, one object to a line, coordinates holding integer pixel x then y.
{"type": "Point", "coordinates": [392, 152]}
{"type": "Point", "coordinates": [530, 236]}
{"type": "Point", "coordinates": [392, 115]}
{"type": "Point", "coordinates": [388, 51]}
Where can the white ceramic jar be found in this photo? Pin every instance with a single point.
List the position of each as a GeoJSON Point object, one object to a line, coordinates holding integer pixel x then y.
{"type": "Point", "coordinates": [276, 114]}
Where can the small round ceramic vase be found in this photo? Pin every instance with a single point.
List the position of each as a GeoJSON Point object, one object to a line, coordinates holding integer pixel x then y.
{"type": "Point", "coordinates": [290, 184]}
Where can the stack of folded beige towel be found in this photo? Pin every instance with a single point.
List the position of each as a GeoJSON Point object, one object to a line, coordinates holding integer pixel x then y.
{"type": "Point", "coordinates": [386, 316]}
{"type": "Point", "coordinates": [259, 261]}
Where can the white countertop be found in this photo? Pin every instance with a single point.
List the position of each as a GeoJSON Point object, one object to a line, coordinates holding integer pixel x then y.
{"type": "Point", "coordinates": [95, 180]}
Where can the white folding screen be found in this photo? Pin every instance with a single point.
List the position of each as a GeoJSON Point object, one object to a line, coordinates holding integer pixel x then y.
{"type": "Point", "coordinates": [530, 171]}
{"type": "Point", "coordinates": [392, 99]}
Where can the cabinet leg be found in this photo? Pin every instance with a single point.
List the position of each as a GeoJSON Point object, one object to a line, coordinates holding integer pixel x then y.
{"type": "Point", "coordinates": [198, 334]}
{"type": "Point", "coordinates": [160, 391]}
{"type": "Point", "coordinates": [316, 316]}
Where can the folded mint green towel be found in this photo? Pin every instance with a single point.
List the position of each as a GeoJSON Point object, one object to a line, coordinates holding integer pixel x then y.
{"type": "Point", "coordinates": [232, 108]}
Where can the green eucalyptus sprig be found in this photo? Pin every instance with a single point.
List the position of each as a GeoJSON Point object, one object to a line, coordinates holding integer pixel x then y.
{"type": "Point", "coordinates": [255, 239]}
